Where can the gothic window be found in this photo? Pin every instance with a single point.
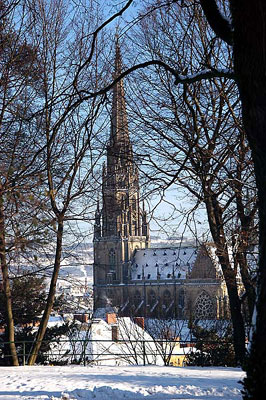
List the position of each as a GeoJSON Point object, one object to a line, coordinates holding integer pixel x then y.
{"type": "Point", "coordinates": [152, 298]}
{"type": "Point", "coordinates": [166, 298]}
{"type": "Point", "coordinates": [204, 308]}
{"type": "Point", "coordinates": [137, 298]}
{"type": "Point", "coordinates": [134, 204]}
{"type": "Point", "coordinates": [112, 260]}
{"type": "Point", "coordinates": [109, 277]}
{"type": "Point", "coordinates": [181, 299]}
{"type": "Point", "coordinates": [123, 202]}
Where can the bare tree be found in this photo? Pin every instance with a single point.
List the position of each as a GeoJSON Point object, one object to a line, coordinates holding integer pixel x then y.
{"type": "Point", "coordinates": [240, 25]}
{"type": "Point", "coordinates": [192, 137]}
{"type": "Point", "coordinates": [167, 335]}
{"type": "Point", "coordinates": [249, 68]}
{"type": "Point", "coordinates": [21, 206]}
{"type": "Point", "coordinates": [62, 37]}
{"type": "Point", "coordinates": [72, 138]}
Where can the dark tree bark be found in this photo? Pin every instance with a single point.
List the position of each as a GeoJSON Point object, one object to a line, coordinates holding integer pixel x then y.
{"type": "Point", "coordinates": [247, 231]}
{"type": "Point", "coordinates": [249, 20]}
{"type": "Point", "coordinates": [249, 49]}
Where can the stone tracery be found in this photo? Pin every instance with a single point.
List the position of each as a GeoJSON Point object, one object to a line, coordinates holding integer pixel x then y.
{"type": "Point", "coordinates": [204, 307]}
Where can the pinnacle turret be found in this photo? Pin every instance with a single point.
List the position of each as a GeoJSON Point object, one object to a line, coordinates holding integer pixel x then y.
{"type": "Point", "coordinates": [97, 224]}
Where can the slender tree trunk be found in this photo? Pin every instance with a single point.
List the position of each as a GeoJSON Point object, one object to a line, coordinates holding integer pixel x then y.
{"type": "Point", "coordinates": [51, 295]}
{"type": "Point", "coordinates": [214, 213]}
{"type": "Point", "coordinates": [248, 284]}
{"type": "Point", "coordinates": [6, 287]}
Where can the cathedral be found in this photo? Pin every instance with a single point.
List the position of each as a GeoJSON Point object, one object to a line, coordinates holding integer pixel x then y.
{"type": "Point", "coordinates": [130, 276]}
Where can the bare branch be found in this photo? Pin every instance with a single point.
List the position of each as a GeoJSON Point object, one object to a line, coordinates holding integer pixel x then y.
{"type": "Point", "coordinates": [202, 75]}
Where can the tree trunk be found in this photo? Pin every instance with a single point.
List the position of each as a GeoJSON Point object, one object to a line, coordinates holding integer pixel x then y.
{"type": "Point", "coordinates": [248, 284]}
{"type": "Point", "coordinates": [250, 68]}
{"type": "Point", "coordinates": [214, 213]}
{"type": "Point", "coordinates": [235, 309]}
{"type": "Point", "coordinates": [6, 287]}
{"type": "Point", "coordinates": [51, 295]}
{"type": "Point", "coordinates": [256, 366]}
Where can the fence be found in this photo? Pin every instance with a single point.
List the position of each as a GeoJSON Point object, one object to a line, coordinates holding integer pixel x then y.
{"type": "Point", "coordinates": [119, 352]}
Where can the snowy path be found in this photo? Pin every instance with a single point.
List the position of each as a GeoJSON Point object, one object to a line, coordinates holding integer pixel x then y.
{"type": "Point", "coordinates": [127, 383]}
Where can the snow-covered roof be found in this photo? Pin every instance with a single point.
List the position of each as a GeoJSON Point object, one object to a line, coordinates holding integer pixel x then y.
{"type": "Point", "coordinates": [177, 328]}
{"type": "Point", "coordinates": [55, 320]}
{"type": "Point", "coordinates": [163, 263]}
{"type": "Point", "coordinates": [127, 349]}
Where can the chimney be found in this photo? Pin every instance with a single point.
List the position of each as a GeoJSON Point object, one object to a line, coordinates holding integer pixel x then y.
{"type": "Point", "coordinates": [139, 321]}
{"type": "Point", "coordinates": [81, 317]}
{"type": "Point", "coordinates": [111, 318]}
{"type": "Point", "coordinates": [114, 333]}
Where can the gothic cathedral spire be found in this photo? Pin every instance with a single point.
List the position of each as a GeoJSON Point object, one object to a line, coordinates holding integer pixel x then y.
{"type": "Point", "coordinates": [121, 225]}
{"type": "Point", "coordinates": [121, 211]}
{"type": "Point", "coordinates": [119, 123]}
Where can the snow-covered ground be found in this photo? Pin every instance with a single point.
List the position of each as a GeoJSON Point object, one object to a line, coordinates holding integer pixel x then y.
{"type": "Point", "coordinates": [127, 383]}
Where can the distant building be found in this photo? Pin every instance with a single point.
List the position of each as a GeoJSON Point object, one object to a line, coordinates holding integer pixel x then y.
{"type": "Point", "coordinates": [121, 341]}
{"type": "Point", "coordinates": [180, 282]}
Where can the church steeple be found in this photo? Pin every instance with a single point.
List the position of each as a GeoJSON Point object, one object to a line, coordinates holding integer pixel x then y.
{"type": "Point", "coordinates": [119, 123]}
{"type": "Point", "coordinates": [121, 214]}
{"type": "Point", "coordinates": [119, 150]}
{"type": "Point", "coordinates": [121, 226]}
{"type": "Point", "coordinates": [121, 211]}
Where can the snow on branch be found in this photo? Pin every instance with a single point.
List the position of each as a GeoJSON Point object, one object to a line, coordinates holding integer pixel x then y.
{"type": "Point", "coordinates": [179, 79]}
{"type": "Point", "coordinates": [205, 74]}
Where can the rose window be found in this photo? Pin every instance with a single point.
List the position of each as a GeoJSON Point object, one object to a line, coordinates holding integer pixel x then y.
{"type": "Point", "coordinates": [204, 307]}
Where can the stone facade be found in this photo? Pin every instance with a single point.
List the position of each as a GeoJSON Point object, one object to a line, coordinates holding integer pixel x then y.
{"type": "Point", "coordinates": [130, 276]}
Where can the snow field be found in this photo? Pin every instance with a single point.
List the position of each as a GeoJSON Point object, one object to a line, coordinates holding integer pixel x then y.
{"type": "Point", "coordinates": [127, 383]}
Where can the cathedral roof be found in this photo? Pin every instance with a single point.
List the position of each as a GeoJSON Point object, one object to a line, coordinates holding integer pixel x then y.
{"type": "Point", "coordinates": [165, 262]}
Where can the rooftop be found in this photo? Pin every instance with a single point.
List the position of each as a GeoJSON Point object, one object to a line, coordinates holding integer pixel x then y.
{"type": "Point", "coordinates": [163, 263]}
